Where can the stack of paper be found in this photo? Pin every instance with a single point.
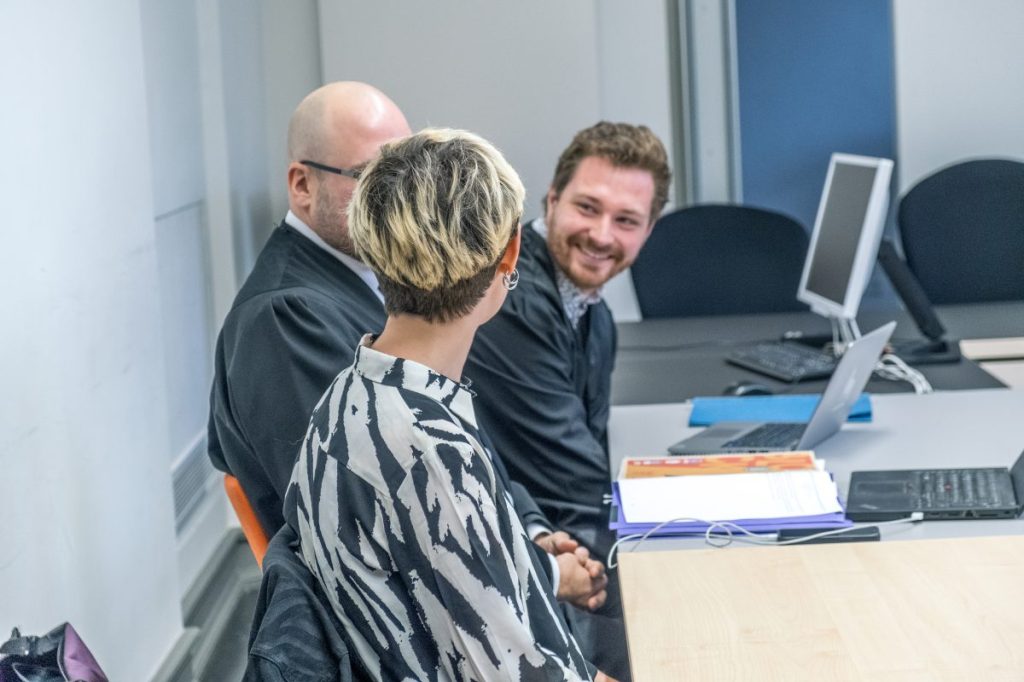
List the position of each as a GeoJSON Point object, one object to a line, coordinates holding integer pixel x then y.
{"type": "Point", "coordinates": [762, 493]}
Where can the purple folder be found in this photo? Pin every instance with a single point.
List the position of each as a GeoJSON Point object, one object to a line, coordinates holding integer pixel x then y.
{"type": "Point", "coordinates": [624, 527]}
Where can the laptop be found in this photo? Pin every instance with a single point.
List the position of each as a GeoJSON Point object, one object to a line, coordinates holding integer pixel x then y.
{"type": "Point", "coordinates": [843, 389]}
{"type": "Point", "coordinates": [984, 493]}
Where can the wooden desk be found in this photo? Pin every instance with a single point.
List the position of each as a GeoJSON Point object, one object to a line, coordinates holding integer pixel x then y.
{"type": "Point", "coordinates": [949, 609]}
{"type": "Point", "coordinates": [1003, 358]}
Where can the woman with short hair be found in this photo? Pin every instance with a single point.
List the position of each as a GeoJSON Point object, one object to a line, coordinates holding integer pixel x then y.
{"type": "Point", "coordinates": [402, 514]}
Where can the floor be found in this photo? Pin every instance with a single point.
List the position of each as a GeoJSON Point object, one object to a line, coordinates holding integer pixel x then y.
{"type": "Point", "coordinates": [228, 661]}
{"type": "Point", "coordinates": [221, 609]}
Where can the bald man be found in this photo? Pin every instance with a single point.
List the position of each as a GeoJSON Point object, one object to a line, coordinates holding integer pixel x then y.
{"type": "Point", "coordinates": [303, 309]}
{"type": "Point", "coordinates": [295, 321]}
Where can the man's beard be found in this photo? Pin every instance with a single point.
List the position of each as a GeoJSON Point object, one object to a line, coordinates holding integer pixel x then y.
{"type": "Point", "coordinates": [329, 222]}
{"type": "Point", "coordinates": [562, 249]}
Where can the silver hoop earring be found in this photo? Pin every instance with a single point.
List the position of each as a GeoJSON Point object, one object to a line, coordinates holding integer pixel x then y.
{"type": "Point", "coordinates": [510, 279]}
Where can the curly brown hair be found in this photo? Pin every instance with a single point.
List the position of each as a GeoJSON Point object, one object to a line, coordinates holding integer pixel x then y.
{"type": "Point", "coordinates": [625, 146]}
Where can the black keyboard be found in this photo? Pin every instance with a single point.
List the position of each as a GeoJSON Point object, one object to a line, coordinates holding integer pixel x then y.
{"type": "Point", "coordinates": [770, 435]}
{"type": "Point", "coordinates": [940, 489]}
{"type": "Point", "coordinates": [784, 361]}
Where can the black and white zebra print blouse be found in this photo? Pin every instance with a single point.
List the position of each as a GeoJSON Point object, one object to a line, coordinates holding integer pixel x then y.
{"type": "Point", "coordinates": [414, 538]}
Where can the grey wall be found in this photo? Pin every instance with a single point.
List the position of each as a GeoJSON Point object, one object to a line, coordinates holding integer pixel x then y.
{"type": "Point", "coordinates": [959, 83]}
{"type": "Point", "coordinates": [171, 51]}
{"type": "Point", "coordinates": [244, 101]}
{"type": "Point", "coordinates": [291, 70]}
{"type": "Point", "coordinates": [525, 75]}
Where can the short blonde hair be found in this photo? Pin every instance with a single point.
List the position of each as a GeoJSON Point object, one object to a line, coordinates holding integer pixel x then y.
{"type": "Point", "coordinates": [432, 216]}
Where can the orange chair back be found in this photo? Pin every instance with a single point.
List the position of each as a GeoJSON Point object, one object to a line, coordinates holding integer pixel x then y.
{"type": "Point", "coordinates": [251, 527]}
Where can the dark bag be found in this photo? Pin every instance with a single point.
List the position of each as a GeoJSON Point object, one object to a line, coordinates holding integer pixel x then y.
{"type": "Point", "coordinates": [58, 656]}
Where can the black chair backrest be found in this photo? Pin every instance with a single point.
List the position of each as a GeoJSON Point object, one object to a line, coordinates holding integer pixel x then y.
{"type": "Point", "coordinates": [720, 260]}
{"type": "Point", "coordinates": [963, 232]}
{"type": "Point", "coordinates": [295, 634]}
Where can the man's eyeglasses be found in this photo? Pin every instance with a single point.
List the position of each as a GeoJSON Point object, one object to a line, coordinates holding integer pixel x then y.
{"type": "Point", "coordinates": [347, 172]}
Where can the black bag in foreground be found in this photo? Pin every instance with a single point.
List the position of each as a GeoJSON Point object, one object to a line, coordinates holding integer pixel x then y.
{"type": "Point", "coordinates": [58, 656]}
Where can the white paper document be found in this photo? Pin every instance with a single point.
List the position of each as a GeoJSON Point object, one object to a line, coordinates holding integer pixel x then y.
{"type": "Point", "coordinates": [729, 496]}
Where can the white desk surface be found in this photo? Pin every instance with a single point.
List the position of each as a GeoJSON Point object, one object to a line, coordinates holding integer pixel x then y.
{"type": "Point", "coordinates": [943, 429]}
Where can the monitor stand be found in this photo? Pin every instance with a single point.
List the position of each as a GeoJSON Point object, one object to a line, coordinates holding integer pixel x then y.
{"type": "Point", "coordinates": [843, 332]}
{"type": "Point", "coordinates": [930, 352]}
{"type": "Point", "coordinates": [912, 351]}
{"type": "Point", "coordinates": [937, 349]}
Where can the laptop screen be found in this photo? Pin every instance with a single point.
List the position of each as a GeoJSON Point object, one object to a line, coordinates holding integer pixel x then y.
{"type": "Point", "coordinates": [1017, 474]}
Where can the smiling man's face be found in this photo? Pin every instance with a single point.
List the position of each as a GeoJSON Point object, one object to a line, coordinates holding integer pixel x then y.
{"type": "Point", "coordinates": [600, 221]}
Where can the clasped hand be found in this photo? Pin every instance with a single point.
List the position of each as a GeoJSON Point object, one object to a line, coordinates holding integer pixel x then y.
{"type": "Point", "coordinates": [582, 580]}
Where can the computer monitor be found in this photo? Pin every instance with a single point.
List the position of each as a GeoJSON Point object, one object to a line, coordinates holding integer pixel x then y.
{"type": "Point", "coordinates": [847, 230]}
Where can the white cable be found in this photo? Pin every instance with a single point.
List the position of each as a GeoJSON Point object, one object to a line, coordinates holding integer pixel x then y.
{"type": "Point", "coordinates": [889, 366]}
{"type": "Point", "coordinates": [893, 368]}
{"type": "Point", "coordinates": [725, 536]}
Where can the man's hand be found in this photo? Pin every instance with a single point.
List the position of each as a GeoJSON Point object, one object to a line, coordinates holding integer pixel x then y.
{"type": "Point", "coordinates": [601, 677]}
{"type": "Point", "coordinates": [581, 580]}
{"type": "Point", "coordinates": [556, 543]}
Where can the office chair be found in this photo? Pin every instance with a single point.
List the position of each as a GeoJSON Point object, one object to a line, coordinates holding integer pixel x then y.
{"type": "Point", "coordinates": [720, 260]}
{"type": "Point", "coordinates": [251, 528]}
{"type": "Point", "coordinates": [295, 635]}
{"type": "Point", "coordinates": [963, 232]}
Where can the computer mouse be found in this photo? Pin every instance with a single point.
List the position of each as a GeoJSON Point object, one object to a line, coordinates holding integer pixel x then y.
{"type": "Point", "coordinates": [745, 388]}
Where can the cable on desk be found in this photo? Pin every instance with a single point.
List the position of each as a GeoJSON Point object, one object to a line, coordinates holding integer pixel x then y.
{"type": "Point", "coordinates": [719, 534]}
{"type": "Point", "coordinates": [890, 367]}
{"type": "Point", "coordinates": [893, 368]}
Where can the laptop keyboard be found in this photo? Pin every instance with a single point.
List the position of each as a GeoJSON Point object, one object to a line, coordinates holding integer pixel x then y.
{"type": "Point", "coordinates": [769, 436]}
{"type": "Point", "coordinates": [944, 489]}
{"type": "Point", "coordinates": [784, 361]}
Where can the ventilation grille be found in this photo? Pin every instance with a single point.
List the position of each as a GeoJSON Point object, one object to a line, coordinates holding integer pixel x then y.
{"type": "Point", "coordinates": [194, 478]}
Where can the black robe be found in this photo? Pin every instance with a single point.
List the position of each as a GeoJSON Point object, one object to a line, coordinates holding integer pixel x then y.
{"type": "Point", "coordinates": [543, 394]}
{"type": "Point", "coordinates": [292, 328]}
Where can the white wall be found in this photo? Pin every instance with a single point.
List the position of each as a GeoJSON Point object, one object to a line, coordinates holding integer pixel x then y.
{"type": "Point", "coordinates": [959, 82]}
{"type": "Point", "coordinates": [86, 524]}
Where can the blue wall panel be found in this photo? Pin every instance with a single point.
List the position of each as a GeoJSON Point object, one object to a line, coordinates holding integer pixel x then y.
{"type": "Point", "coordinates": [815, 77]}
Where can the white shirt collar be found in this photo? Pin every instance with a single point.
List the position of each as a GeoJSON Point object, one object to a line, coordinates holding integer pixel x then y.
{"type": "Point", "coordinates": [359, 268]}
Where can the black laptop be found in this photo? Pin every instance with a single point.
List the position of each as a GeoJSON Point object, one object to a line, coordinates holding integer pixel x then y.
{"type": "Point", "coordinates": [990, 493]}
